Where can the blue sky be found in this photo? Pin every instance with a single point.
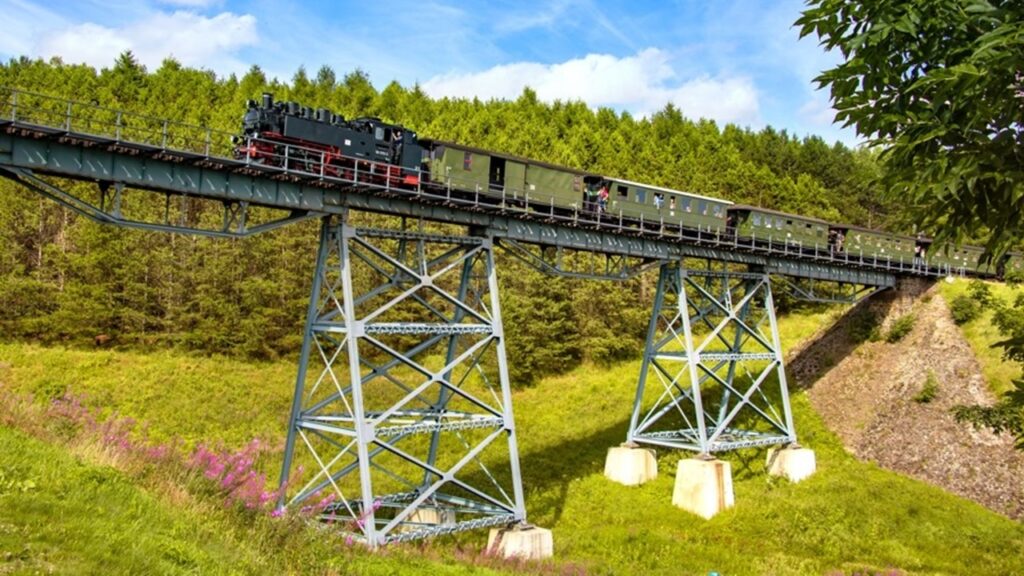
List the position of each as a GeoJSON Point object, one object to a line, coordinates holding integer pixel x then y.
{"type": "Point", "coordinates": [731, 60]}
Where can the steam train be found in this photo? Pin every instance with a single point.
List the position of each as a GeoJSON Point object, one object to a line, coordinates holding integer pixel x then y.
{"type": "Point", "coordinates": [299, 137]}
{"type": "Point", "coordinates": [320, 142]}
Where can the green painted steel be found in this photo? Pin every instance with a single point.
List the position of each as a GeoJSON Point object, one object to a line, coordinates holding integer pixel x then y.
{"type": "Point", "coordinates": [656, 204]}
{"type": "Point", "coordinates": [780, 227]}
{"type": "Point", "coordinates": [232, 181]}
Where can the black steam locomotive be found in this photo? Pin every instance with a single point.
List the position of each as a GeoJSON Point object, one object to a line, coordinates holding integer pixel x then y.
{"type": "Point", "coordinates": [289, 135]}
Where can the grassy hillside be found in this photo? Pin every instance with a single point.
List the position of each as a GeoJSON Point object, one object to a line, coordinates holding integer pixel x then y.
{"type": "Point", "coordinates": [64, 513]}
{"type": "Point", "coordinates": [850, 516]}
{"type": "Point", "coordinates": [982, 334]}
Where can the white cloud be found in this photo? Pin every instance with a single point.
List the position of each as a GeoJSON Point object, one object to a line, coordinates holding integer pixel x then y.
{"type": "Point", "coordinates": [192, 39]}
{"type": "Point", "coordinates": [21, 20]}
{"type": "Point", "coordinates": [817, 111]}
{"type": "Point", "coordinates": [641, 84]}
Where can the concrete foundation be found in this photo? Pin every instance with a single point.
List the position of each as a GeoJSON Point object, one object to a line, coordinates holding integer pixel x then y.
{"type": "Point", "coordinates": [630, 465]}
{"type": "Point", "coordinates": [525, 542]}
{"type": "Point", "coordinates": [703, 487]}
{"type": "Point", "coordinates": [433, 516]}
{"type": "Point", "coordinates": [792, 463]}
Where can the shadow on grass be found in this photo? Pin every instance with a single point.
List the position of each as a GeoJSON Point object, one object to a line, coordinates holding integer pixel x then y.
{"type": "Point", "coordinates": [548, 472]}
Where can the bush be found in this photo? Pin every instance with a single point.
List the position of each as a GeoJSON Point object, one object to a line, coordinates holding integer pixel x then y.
{"type": "Point", "coordinates": [980, 292]}
{"type": "Point", "coordinates": [900, 328]}
{"type": "Point", "coordinates": [964, 308]}
{"type": "Point", "coordinates": [1014, 277]}
{"type": "Point", "coordinates": [929, 391]}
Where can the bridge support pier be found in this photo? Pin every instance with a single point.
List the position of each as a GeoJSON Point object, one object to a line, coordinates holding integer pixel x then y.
{"type": "Point", "coordinates": [792, 462]}
{"type": "Point", "coordinates": [630, 465]}
{"type": "Point", "coordinates": [712, 377]}
{"type": "Point", "coordinates": [703, 486]}
{"type": "Point", "coordinates": [401, 424]}
{"type": "Point", "coordinates": [521, 541]}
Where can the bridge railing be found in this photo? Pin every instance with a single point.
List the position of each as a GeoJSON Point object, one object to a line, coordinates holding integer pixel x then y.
{"type": "Point", "coordinates": [90, 121]}
{"type": "Point", "coordinates": [73, 117]}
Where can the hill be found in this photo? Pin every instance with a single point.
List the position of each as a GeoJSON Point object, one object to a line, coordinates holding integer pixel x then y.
{"type": "Point", "coordinates": [850, 516]}
{"type": "Point", "coordinates": [891, 399]}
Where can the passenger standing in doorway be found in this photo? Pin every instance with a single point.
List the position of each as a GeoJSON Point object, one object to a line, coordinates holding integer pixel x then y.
{"type": "Point", "coordinates": [602, 199]}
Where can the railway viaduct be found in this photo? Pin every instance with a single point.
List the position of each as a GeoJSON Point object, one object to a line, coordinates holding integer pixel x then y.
{"type": "Point", "coordinates": [402, 417]}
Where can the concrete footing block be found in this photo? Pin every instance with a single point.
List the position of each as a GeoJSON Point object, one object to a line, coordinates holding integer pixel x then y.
{"type": "Point", "coordinates": [521, 541]}
{"type": "Point", "coordinates": [703, 487]}
{"type": "Point", "coordinates": [431, 516]}
{"type": "Point", "coordinates": [630, 465]}
{"type": "Point", "coordinates": [792, 463]}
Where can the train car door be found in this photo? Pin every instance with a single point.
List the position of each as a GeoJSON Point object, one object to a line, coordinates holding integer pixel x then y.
{"type": "Point", "coordinates": [515, 178]}
{"type": "Point", "coordinates": [496, 175]}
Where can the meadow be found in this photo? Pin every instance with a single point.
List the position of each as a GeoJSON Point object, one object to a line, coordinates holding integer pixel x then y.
{"type": "Point", "coordinates": [70, 504]}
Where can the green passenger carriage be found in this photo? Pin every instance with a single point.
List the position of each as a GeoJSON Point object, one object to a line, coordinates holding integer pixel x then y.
{"type": "Point", "coordinates": [511, 178]}
{"type": "Point", "coordinates": [779, 227]}
{"type": "Point", "coordinates": [664, 205]}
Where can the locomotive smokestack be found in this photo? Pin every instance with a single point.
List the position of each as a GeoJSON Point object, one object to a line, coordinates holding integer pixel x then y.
{"type": "Point", "coordinates": [268, 100]}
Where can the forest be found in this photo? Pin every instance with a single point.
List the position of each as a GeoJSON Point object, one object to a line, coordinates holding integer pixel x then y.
{"type": "Point", "coordinates": [64, 279]}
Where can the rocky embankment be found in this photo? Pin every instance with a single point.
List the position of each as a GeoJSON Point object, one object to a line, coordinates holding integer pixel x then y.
{"type": "Point", "coordinates": [871, 395]}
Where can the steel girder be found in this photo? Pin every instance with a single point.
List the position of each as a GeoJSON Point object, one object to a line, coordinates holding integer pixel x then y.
{"type": "Point", "coordinates": [48, 147]}
{"type": "Point", "coordinates": [402, 415]}
{"type": "Point", "coordinates": [712, 377]}
{"type": "Point", "coordinates": [108, 208]}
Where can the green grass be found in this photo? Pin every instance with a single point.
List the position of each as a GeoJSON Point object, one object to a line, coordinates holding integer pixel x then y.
{"type": "Point", "coordinates": [849, 517]}
{"type": "Point", "coordinates": [80, 519]}
{"type": "Point", "coordinates": [982, 334]}
{"type": "Point", "coordinates": [66, 515]}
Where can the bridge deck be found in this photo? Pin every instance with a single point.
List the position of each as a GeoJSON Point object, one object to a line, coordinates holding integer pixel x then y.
{"type": "Point", "coordinates": [43, 145]}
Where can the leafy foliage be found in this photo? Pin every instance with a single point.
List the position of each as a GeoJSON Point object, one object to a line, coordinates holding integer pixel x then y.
{"type": "Point", "coordinates": [980, 291]}
{"type": "Point", "coordinates": [964, 309]}
{"type": "Point", "coordinates": [938, 85]}
{"type": "Point", "coordinates": [1008, 414]}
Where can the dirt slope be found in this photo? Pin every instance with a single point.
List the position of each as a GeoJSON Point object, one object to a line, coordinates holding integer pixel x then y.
{"type": "Point", "coordinates": [867, 397]}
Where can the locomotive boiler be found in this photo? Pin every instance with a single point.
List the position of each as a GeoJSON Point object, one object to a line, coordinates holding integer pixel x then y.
{"type": "Point", "coordinates": [297, 137]}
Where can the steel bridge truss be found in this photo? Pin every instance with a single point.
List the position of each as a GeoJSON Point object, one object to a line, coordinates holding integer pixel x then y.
{"type": "Point", "coordinates": [114, 204]}
{"type": "Point", "coordinates": [401, 424]}
{"type": "Point", "coordinates": [827, 292]}
{"type": "Point", "coordinates": [712, 377]}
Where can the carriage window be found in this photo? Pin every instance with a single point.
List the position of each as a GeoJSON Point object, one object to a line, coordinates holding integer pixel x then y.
{"type": "Point", "coordinates": [757, 219]}
{"type": "Point", "coordinates": [778, 223]}
{"type": "Point", "coordinates": [467, 161]}
{"type": "Point", "coordinates": [577, 184]}
{"type": "Point", "coordinates": [702, 207]}
{"type": "Point", "coordinates": [767, 221]}
{"type": "Point", "coordinates": [686, 205]}
{"type": "Point", "coordinates": [379, 134]}
{"type": "Point", "coordinates": [641, 195]}
{"type": "Point", "coordinates": [717, 210]}
{"type": "Point", "coordinates": [623, 191]}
